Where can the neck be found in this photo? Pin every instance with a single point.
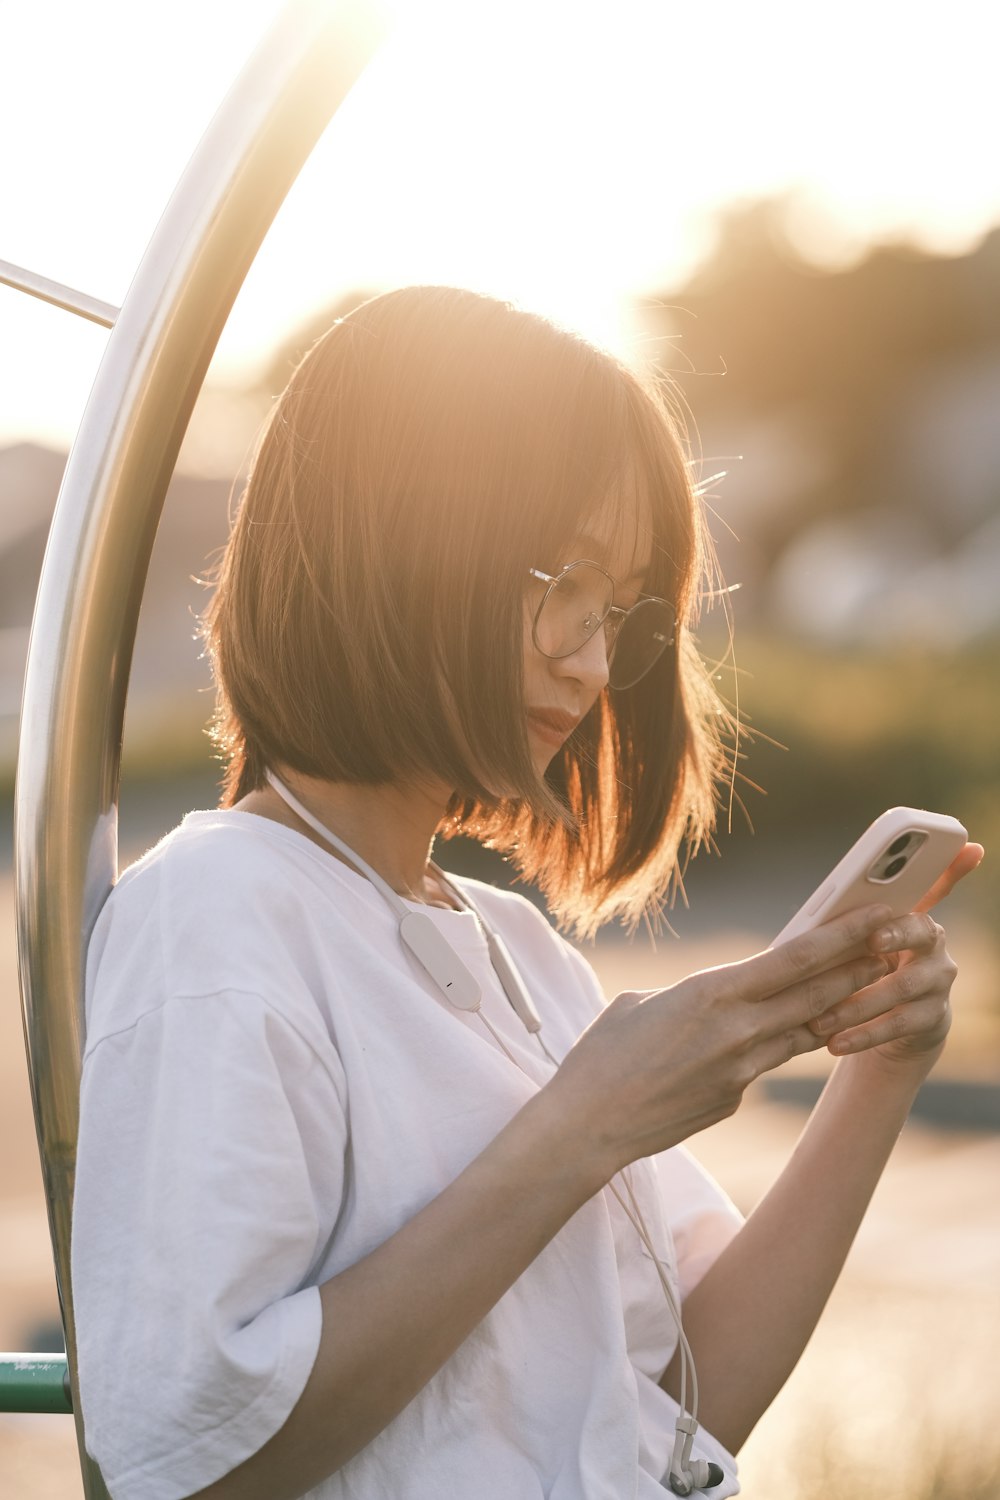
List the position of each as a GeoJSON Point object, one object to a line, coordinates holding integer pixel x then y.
{"type": "Point", "coordinates": [391, 827]}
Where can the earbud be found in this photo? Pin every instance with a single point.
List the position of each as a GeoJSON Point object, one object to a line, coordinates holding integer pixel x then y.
{"type": "Point", "coordinates": [700, 1476]}
{"type": "Point", "coordinates": [687, 1473]}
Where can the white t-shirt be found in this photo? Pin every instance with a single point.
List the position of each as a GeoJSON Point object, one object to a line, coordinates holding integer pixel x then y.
{"type": "Point", "coordinates": [271, 1087]}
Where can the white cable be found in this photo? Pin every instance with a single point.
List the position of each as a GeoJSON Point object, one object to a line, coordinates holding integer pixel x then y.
{"type": "Point", "coordinates": [522, 1004]}
{"type": "Point", "coordinates": [404, 912]}
{"type": "Point", "coordinates": [353, 859]}
{"type": "Point", "coordinates": [634, 1214]}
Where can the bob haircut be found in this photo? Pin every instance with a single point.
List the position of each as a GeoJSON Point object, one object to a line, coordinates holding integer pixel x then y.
{"type": "Point", "coordinates": [368, 620]}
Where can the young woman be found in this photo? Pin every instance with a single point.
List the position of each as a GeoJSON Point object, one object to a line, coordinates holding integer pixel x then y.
{"type": "Point", "coordinates": [376, 1197]}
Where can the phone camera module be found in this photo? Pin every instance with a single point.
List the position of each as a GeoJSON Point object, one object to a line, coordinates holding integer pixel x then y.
{"type": "Point", "coordinates": [896, 856]}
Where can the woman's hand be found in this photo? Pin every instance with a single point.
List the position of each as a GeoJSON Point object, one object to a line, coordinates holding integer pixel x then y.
{"type": "Point", "coordinates": [657, 1067]}
{"type": "Point", "coordinates": [963, 864]}
{"type": "Point", "coordinates": [750, 1315]}
{"type": "Point", "coordinates": [905, 1016]}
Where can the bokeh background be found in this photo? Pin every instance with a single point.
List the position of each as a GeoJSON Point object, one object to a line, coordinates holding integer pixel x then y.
{"type": "Point", "coordinates": [794, 212]}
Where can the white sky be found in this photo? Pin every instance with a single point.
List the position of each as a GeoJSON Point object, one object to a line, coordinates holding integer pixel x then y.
{"type": "Point", "coordinates": [564, 152]}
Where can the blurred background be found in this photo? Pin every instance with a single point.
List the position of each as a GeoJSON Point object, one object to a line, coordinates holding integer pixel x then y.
{"type": "Point", "coordinates": [793, 211]}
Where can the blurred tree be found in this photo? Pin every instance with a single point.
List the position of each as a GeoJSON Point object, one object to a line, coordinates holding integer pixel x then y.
{"type": "Point", "coordinates": [838, 351]}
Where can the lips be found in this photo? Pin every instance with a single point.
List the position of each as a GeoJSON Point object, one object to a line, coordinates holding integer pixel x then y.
{"type": "Point", "coordinates": [551, 724]}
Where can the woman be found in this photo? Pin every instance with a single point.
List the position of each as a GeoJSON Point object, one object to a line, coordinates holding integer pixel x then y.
{"type": "Point", "coordinates": [349, 1222]}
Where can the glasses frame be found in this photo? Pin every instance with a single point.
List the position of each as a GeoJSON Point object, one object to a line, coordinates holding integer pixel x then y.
{"type": "Point", "coordinates": [614, 616]}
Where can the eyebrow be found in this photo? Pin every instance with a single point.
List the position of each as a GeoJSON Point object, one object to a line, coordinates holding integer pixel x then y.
{"type": "Point", "coordinates": [599, 554]}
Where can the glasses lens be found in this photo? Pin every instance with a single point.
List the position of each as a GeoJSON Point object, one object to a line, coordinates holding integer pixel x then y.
{"type": "Point", "coordinates": [646, 632]}
{"type": "Point", "coordinates": [574, 608]}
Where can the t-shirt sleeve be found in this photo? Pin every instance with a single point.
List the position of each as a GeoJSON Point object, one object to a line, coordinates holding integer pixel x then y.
{"type": "Point", "coordinates": [198, 1224]}
{"type": "Point", "coordinates": [702, 1218]}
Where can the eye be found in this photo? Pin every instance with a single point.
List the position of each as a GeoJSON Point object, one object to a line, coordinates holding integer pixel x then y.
{"type": "Point", "coordinates": [569, 588]}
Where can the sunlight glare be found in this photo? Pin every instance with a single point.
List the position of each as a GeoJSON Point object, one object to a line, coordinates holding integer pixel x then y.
{"type": "Point", "coordinates": [563, 153]}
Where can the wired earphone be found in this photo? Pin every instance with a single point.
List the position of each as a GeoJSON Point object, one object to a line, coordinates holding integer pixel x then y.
{"type": "Point", "coordinates": [427, 943]}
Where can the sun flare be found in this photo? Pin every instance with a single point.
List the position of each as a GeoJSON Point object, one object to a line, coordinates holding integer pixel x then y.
{"type": "Point", "coordinates": [562, 154]}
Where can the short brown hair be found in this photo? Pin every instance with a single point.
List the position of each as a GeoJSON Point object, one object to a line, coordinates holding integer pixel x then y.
{"type": "Point", "coordinates": [429, 449]}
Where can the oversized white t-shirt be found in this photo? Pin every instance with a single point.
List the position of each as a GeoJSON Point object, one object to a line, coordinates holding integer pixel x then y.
{"type": "Point", "coordinates": [272, 1086]}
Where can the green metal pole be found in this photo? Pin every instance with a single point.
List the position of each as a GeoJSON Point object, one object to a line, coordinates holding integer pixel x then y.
{"type": "Point", "coordinates": [35, 1383]}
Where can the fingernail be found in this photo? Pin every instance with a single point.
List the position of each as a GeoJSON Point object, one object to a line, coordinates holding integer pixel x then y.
{"type": "Point", "coordinates": [887, 941]}
{"type": "Point", "coordinates": [826, 1022]}
{"type": "Point", "coordinates": [841, 1044]}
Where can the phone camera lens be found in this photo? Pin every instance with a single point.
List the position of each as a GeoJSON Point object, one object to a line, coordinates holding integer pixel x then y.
{"type": "Point", "coordinates": [894, 866]}
{"type": "Point", "coordinates": [898, 845]}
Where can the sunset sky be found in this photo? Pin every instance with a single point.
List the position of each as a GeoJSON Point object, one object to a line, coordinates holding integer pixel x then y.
{"type": "Point", "coordinates": [562, 152]}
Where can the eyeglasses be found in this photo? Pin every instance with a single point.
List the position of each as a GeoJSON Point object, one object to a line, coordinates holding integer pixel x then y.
{"type": "Point", "coordinates": [582, 599]}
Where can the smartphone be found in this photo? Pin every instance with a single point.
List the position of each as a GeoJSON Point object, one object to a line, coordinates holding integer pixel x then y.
{"type": "Point", "coordinates": [895, 862]}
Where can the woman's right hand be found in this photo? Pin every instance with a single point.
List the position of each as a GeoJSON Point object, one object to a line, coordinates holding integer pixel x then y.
{"type": "Point", "coordinates": [658, 1066]}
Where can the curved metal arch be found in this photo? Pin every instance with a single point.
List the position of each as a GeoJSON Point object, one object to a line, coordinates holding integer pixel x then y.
{"type": "Point", "coordinates": [69, 754]}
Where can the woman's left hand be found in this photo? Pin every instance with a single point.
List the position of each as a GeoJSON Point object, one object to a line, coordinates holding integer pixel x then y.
{"type": "Point", "coordinates": [963, 864]}
{"type": "Point", "coordinates": [905, 1016]}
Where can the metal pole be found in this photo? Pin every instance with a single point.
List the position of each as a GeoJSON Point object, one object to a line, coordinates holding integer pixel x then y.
{"type": "Point", "coordinates": [35, 1383]}
{"type": "Point", "coordinates": [59, 295]}
{"type": "Point", "coordinates": [65, 858]}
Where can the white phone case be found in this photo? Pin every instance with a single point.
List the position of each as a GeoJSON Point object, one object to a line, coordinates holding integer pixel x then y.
{"type": "Point", "coordinates": [895, 861]}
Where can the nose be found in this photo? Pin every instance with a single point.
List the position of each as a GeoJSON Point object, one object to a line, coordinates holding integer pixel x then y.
{"type": "Point", "coordinates": [588, 665]}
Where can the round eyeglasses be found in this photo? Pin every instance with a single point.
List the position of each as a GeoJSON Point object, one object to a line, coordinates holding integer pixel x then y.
{"type": "Point", "coordinates": [577, 603]}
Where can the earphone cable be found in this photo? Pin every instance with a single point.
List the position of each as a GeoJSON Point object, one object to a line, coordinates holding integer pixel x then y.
{"type": "Point", "coordinates": [524, 1008]}
{"type": "Point", "coordinates": [634, 1214]}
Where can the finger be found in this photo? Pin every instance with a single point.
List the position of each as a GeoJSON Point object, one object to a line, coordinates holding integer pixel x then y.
{"type": "Point", "coordinates": [818, 996]}
{"type": "Point", "coordinates": [915, 932]}
{"type": "Point", "coordinates": [775, 1050]}
{"type": "Point", "coordinates": [903, 986]}
{"type": "Point", "coordinates": [811, 953]}
{"type": "Point", "coordinates": [928, 1018]}
{"type": "Point", "coordinates": [963, 864]}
